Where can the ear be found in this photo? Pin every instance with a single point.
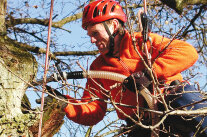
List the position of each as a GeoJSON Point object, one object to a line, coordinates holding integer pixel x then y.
{"type": "Point", "coordinates": [115, 24]}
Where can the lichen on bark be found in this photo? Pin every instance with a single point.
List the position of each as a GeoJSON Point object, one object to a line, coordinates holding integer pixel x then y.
{"type": "Point", "coordinates": [18, 67]}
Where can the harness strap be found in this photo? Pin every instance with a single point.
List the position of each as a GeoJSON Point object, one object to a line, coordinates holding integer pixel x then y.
{"type": "Point", "coordinates": [111, 39]}
{"type": "Point", "coordinates": [107, 28]}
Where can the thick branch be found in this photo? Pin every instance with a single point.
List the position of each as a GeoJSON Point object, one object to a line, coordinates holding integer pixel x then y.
{"type": "Point", "coordinates": [179, 5]}
{"type": "Point", "coordinates": [62, 22]}
{"type": "Point", "coordinates": [44, 22]}
{"type": "Point", "coordinates": [54, 54]}
{"type": "Point", "coordinates": [76, 53]}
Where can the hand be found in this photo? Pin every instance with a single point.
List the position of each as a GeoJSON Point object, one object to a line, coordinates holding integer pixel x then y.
{"type": "Point", "coordinates": [48, 100]}
{"type": "Point", "coordinates": [137, 81]}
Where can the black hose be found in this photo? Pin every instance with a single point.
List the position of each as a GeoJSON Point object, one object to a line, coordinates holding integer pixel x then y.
{"type": "Point", "coordinates": [69, 75]}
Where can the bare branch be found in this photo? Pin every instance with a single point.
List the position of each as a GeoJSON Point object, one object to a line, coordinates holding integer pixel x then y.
{"type": "Point", "coordinates": [59, 24]}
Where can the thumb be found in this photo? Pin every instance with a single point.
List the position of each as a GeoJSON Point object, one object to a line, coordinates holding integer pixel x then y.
{"type": "Point", "coordinates": [64, 105]}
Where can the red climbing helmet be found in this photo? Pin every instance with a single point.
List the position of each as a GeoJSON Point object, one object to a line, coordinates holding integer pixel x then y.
{"type": "Point", "coordinates": [102, 10]}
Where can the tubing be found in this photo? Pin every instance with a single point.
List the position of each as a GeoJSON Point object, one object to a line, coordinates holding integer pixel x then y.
{"type": "Point", "coordinates": [104, 75]}
{"type": "Point", "coordinates": [119, 78]}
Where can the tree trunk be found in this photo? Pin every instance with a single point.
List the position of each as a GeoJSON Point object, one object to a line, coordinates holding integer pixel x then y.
{"type": "Point", "coordinates": [17, 68]}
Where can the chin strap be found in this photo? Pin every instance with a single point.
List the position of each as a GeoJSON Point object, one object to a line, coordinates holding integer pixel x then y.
{"type": "Point", "coordinates": [111, 40]}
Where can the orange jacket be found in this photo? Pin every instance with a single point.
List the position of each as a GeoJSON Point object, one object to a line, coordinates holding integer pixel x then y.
{"type": "Point", "coordinates": [168, 65]}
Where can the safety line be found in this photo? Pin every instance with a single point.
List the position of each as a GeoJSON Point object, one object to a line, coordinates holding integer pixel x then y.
{"type": "Point", "coordinates": [46, 68]}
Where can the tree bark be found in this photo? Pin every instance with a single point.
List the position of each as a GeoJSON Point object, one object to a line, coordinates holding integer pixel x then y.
{"type": "Point", "coordinates": [17, 68]}
{"type": "Point", "coordinates": [52, 120]}
{"type": "Point", "coordinates": [3, 4]}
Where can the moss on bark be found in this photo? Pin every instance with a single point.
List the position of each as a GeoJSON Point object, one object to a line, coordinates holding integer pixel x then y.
{"type": "Point", "coordinates": [18, 67]}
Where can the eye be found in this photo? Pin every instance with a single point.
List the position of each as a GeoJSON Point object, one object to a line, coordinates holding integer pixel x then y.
{"type": "Point", "coordinates": [94, 34]}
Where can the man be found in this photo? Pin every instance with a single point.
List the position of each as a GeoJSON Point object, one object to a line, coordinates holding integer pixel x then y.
{"type": "Point", "coordinates": [104, 22]}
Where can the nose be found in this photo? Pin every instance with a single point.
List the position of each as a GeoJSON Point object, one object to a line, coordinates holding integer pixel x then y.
{"type": "Point", "coordinates": [93, 40]}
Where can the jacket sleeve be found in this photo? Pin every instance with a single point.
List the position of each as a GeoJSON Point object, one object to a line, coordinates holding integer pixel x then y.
{"type": "Point", "coordinates": [171, 59]}
{"type": "Point", "coordinates": [86, 111]}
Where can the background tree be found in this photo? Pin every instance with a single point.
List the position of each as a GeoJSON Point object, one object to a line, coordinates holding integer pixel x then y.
{"type": "Point", "coordinates": [23, 36]}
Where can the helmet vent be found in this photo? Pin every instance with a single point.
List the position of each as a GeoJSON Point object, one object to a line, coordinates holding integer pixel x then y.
{"type": "Point", "coordinates": [104, 9]}
{"type": "Point", "coordinates": [86, 13]}
{"type": "Point", "coordinates": [96, 12]}
{"type": "Point", "coordinates": [112, 9]}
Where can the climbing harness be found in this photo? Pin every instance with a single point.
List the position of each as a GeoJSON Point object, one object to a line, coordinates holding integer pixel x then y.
{"type": "Point", "coordinates": [111, 39]}
{"type": "Point", "coordinates": [145, 25]}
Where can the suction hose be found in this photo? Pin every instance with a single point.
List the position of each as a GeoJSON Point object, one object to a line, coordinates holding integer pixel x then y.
{"type": "Point", "coordinates": [103, 75]}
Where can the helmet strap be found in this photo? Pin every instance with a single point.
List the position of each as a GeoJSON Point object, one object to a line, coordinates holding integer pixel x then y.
{"type": "Point", "coordinates": [111, 40]}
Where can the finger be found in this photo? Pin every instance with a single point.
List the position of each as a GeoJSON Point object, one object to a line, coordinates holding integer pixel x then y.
{"type": "Point", "coordinates": [48, 99]}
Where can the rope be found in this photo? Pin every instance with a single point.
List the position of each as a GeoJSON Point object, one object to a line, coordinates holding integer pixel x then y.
{"type": "Point", "coordinates": [46, 68]}
{"type": "Point", "coordinates": [145, 6]}
{"type": "Point", "coordinates": [145, 32]}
